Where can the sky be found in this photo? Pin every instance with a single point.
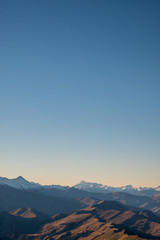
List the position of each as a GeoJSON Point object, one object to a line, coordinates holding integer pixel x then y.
{"type": "Point", "coordinates": [80, 91]}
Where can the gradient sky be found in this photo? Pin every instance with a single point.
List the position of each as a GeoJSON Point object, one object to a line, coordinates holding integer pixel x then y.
{"type": "Point", "coordinates": [80, 91]}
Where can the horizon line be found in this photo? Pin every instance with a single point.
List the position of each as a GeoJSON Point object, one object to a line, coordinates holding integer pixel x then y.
{"type": "Point", "coordinates": [134, 186]}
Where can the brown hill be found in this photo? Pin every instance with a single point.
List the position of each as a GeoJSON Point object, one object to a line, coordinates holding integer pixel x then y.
{"type": "Point", "coordinates": [106, 220]}
{"type": "Point", "coordinates": [28, 213]}
{"type": "Point", "coordinates": [88, 201]}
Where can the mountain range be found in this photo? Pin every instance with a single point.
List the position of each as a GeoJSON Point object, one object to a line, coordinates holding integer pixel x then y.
{"type": "Point", "coordinates": [108, 220]}
{"type": "Point", "coordinates": [20, 193]}
{"type": "Point", "coordinates": [29, 210]}
{"type": "Point", "coordinates": [21, 183]}
{"type": "Point", "coordinates": [96, 187]}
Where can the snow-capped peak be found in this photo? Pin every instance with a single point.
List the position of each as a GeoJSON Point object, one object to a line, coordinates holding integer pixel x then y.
{"type": "Point", "coordinates": [91, 187]}
{"type": "Point", "coordinates": [19, 183]}
{"type": "Point", "coordinates": [22, 183]}
{"type": "Point", "coordinates": [97, 187]}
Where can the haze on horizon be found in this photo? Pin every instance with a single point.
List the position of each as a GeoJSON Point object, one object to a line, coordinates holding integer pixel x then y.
{"type": "Point", "coordinates": [79, 91]}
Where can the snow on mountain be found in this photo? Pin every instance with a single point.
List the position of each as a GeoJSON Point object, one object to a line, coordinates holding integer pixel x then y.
{"type": "Point", "coordinates": [91, 187]}
{"type": "Point", "coordinates": [19, 183]}
{"type": "Point", "coordinates": [96, 187]}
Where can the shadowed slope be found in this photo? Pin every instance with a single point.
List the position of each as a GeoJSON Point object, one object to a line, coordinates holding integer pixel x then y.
{"type": "Point", "coordinates": [11, 198]}
{"type": "Point", "coordinates": [12, 226]}
{"type": "Point", "coordinates": [106, 220]}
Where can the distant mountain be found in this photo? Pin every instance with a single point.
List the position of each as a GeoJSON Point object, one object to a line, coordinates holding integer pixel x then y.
{"type": "Point", "coordinates": [100, 188]}
{"type": "Point", "coordinates": [120, 215]}
{"type": "Point", "coordinates": [141, 202]}
{"type": "Point", "coordinates": [106, 220]}
{"type": "Point", "coordinates": [55, 187]}
{"type": "Point", "coordinates": [11, 198]}
{"type": "Point", "coordinates": [21, 183]}
{"type": "Point", "coordinates": [51, 200]}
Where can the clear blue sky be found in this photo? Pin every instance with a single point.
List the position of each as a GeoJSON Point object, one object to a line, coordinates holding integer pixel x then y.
{"type": "Point", "coordinates": [80, 91]}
